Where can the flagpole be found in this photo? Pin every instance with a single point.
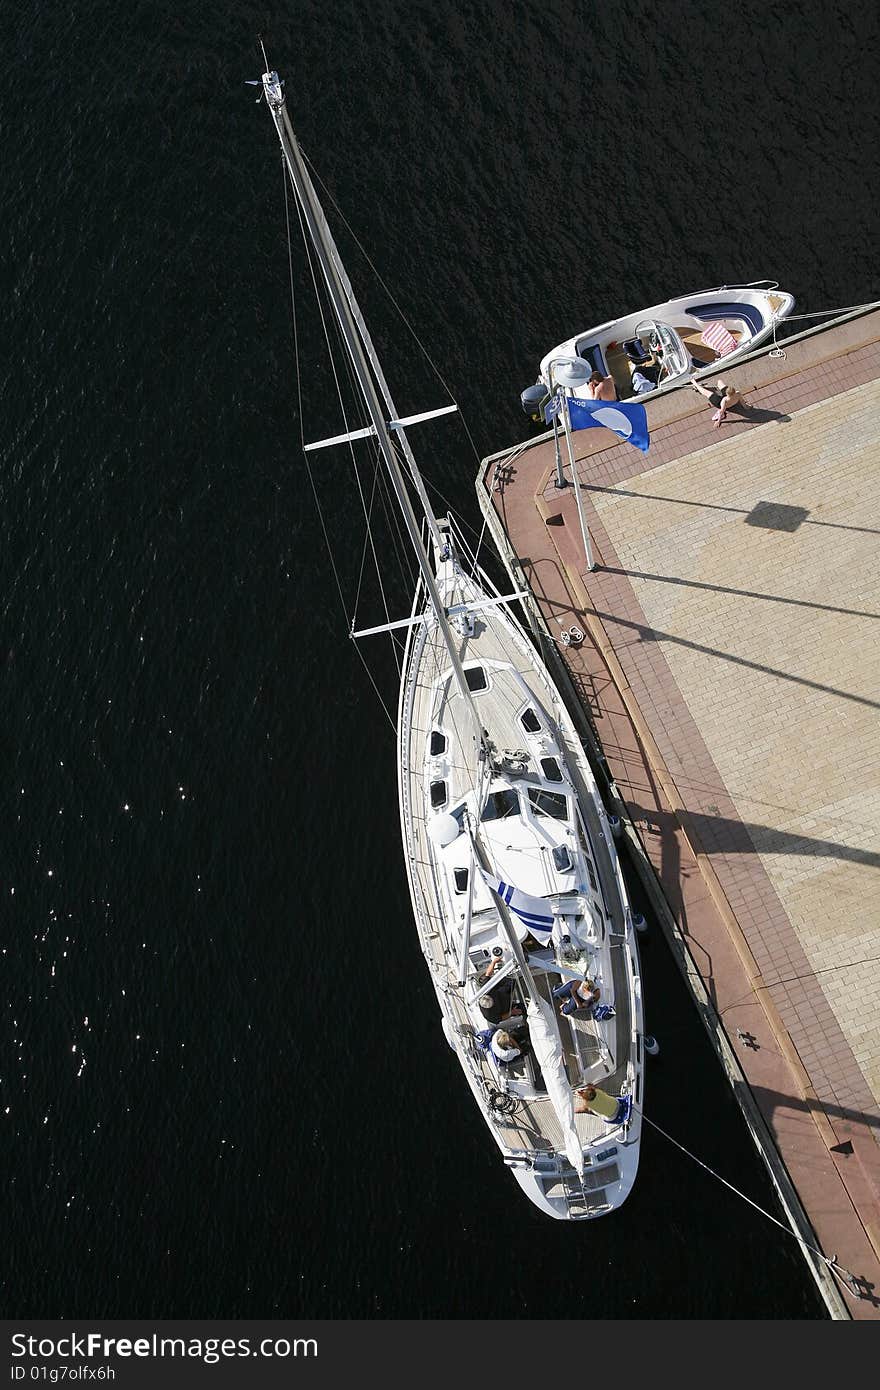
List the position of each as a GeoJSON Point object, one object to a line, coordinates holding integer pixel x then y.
{"type": "Point", "coordinates": [585, 535]}
{"type": "Point", "coordinates": [561, 481]}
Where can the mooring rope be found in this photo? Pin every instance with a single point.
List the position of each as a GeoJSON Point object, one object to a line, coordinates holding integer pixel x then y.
{"type": "Point", "coordinates": [819, 313]}
{"type": "Point", "coordinates": [846, 1277]}
{"type": "Point", "coordinates": [777, 351]}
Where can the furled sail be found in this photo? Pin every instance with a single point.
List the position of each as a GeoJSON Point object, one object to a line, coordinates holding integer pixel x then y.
{"type": "Point", "coordinates": [547, 1047]}
{"type": "Point", "coordinates": [534, 913]}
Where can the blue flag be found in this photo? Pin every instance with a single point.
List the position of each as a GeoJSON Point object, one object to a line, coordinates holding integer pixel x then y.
{"type": "Point", "coordinates": [627, 419]}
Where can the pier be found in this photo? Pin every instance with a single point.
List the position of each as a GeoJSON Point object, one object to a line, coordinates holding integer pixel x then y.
{"type": "Point", "coordinates": [728, 685]}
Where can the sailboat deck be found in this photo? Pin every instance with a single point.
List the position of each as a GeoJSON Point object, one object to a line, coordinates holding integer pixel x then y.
{"type": "Point", "coordinates": [601, 1049]}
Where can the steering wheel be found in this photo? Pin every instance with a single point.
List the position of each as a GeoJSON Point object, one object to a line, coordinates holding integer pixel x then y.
{"type": "Point", "coordinates": [659, 353]}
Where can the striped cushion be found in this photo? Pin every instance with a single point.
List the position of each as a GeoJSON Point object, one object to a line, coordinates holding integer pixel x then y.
{"type": "Point", "coordinates": [716, 336]}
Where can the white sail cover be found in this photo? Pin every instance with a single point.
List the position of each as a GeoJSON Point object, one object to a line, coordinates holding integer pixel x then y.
{"type": "Point", "coordinates": [547, 1046]}
{"type": "Point", "coordinates": [534, 913]}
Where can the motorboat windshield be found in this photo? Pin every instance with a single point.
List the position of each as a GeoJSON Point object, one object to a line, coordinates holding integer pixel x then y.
{"type": "Point", "coordinates": [666, 346]}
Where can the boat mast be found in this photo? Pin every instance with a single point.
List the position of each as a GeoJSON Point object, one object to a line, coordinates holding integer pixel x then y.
{"type": "Point", "coordinates": [367, 342]}
{"type": "Point", "coordinates": [347, 315]}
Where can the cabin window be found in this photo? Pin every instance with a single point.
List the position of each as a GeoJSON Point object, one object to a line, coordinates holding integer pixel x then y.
{"type": "Point", "coordinates": [476, 679]}
{"type": "Point", "coordinates": [461, 880]}
{"type": "Point", "coordinates": [530, 721]}
{"type": "Point", "coordinates": [438, 795]}
{"type": "Point", "coordinates": [548, 804]}
{"type": "Point", "coordinates": [438, 743]}
{"type": "Point", "coordinates": [562, 858]}
{"type": "Point", "coordinates": [501, 804]}
{"type": "Point", "coordinates": [551, 770]}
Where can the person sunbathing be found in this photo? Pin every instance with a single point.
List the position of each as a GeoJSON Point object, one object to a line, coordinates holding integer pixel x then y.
{"type": "Point", "coordinates": [723, 396]}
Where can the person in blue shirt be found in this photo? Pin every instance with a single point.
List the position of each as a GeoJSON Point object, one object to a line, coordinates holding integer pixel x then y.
{"type": "Point", "coordinates": [581, 998]}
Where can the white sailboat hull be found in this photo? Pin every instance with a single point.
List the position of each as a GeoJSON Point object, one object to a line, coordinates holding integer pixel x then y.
{"type": "Point", "coordinates": [516, 889]}
{"type": "Point", "coordinates": [531, 1139]}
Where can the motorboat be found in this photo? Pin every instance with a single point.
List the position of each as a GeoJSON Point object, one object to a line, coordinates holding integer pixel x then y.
{"type": "Point", "coordinates": [659, 348]}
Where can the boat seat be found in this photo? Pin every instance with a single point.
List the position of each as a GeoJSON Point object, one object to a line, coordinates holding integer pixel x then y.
{"type": "Point", "coordinates": [593, 355]}
{"type": "Point", "coordinates": [747, 312]}
{"type": "Point", "coordinates": [636, 350]}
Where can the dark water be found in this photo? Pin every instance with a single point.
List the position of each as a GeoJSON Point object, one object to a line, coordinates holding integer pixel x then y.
{"type": "Point", "coordinates": [221, 1088]}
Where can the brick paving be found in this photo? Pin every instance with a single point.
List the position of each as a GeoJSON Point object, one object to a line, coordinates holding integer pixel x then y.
{"type": "Point", "coordinates": [733, 673]}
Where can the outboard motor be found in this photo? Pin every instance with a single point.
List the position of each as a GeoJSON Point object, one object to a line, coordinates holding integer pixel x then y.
{"type": "Point", "coordinates": [533, 399]}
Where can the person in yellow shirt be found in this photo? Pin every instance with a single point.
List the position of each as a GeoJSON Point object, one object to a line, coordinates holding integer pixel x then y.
{"type": "Point", "coordinates": [592, 1100]}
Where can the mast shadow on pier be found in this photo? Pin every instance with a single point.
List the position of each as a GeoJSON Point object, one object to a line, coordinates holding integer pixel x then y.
{"type": "Point", "coordinates": [715, 506]}
{"type": "Point", "coordinates": [769, 1101]}
{"type": "Point", "coordinates": [740, 593]}
{"type": "Point", "coordinates": [650, 634]}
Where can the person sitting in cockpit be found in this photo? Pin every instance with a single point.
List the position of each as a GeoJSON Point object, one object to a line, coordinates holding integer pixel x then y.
{"type": "Point", "coordinates": [641, 381]}
{"type": "Point", "coordinates": [499, 1004]}
{"type": "Point", "coordinates": [581, 999]}
{"type": "Point", "coordinates": [504, 1046]}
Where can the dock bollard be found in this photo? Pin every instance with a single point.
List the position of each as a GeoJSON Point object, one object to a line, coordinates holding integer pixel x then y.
{"type": "Point", "coordinates": [652, 1047]}
{"type": "Point", "coordinates": [616, 827]}
{"type": "Point", "coordinates": [639, 923]}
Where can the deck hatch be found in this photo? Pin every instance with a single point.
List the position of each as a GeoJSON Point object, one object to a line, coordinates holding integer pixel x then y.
{"type": "Point", "coordinates": [438, 795]}
{"type": "Point", "coordinates": [476, 679]}
{"type": "Point", "coordinates": [551, 804]}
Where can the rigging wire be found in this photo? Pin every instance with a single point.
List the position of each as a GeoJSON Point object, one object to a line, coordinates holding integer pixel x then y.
{"type": "Point", "coordinates": [402, 550]}
{"type": "Point", "coordinates": [446, 502]}
{"type": "Point", "coordinates": [400, 312]}
{"type": "Point", "coordinates": [344, 417]}
{"type": "Point", "coordinates": [474, 564]}
{"type": "Point", "coordinates": [357, 597]}
{"type": "Point", "coordinates": [330, 553]}
{"type": "Point", "coordinates": [405, 563]}
{"type": "Point", "coordinates": [830, 1261]}
{"type": "Point", "coordinates": [352, 457]}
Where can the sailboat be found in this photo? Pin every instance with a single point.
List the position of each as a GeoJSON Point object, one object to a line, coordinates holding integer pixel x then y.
{"type": "Point", "coordinates": [517, 892]}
